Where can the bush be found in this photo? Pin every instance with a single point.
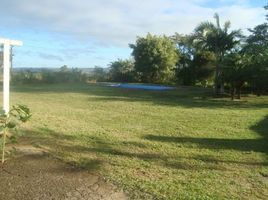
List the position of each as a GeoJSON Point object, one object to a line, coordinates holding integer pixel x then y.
{"type": "Point", "coordinates": [122, 71]}
{"type": "Point", "coordinates": [98, 75]}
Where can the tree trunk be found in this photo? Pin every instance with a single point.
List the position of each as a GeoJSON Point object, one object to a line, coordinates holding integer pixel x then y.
{"type": "Point", "coordinates": [239, 88]}
{"type": "Point", "coordinates": [216, 80]}
{"type": "Point", "coordinates": [239, 93]}
{"type": "Point", "coordinates": [233, 91]}
{"type": "Point", "coordinates": [221, 88]}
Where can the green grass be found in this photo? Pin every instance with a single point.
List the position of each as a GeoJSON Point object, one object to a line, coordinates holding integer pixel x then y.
{"type": "Point", "coordinates": [180, 144]}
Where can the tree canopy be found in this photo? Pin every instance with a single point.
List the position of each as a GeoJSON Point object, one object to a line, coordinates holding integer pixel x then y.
{"type": "Point", "coordinates": [122, 70]}
{"type": "Point", "coordinates": [155, 58]}
{"type": "Point", "coordinates": [195, 65]}
{"type": "Point", "coordinates": [219, 40]}
{"type": "Point", "coordinates": [213, 55]}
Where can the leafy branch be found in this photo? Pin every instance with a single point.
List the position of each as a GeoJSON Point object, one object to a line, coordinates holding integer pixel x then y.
{"type": "Point", "coordinates": [10, 122]}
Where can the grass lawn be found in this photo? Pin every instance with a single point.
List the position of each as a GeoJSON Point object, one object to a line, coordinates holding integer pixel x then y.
{"type": "Point", "coordinates": [180, 144]}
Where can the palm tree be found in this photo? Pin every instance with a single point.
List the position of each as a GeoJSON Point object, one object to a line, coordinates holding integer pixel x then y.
{"type": "Point", "coordinates": [266, 8]}
{"type": "Point", "coordinates": [214, 38]}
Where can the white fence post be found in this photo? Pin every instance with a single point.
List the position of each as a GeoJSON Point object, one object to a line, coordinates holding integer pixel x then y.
{"type": "Point", "coordinates": [6, 76]}
{"type": "Point", "coordinates": [7, 44]}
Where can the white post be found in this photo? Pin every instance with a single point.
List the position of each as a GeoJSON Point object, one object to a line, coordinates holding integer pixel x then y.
{"type": "Point", "coordinates": [7, 44]}
{"type": "Point", "coordinates": [6, 76]}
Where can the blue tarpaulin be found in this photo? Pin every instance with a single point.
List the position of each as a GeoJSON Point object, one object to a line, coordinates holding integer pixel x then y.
{"type": "Point", "coordinates": [143, 87]}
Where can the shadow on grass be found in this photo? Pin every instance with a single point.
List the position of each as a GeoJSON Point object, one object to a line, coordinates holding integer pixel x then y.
{"type": "Point", "coordinates": [54, 145]}
{"type": "Point", "coordinates": [189, 97]}
{"type": "Point", "coordinates": [256, 145]}
{"type": "Point", "coordinates": [262, 128]}
{"type": "Point", "coordinates": [83, 147]}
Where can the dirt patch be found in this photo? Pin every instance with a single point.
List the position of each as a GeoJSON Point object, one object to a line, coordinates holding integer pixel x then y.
{"type": "Point", "coordinates": [33, 174]}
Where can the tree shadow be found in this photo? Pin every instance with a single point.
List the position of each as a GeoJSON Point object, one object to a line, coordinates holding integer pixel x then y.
{"type": "Point", "coordinates": [50, 141]}
{"type": "Point", "coordinates": [59, 144]}
{"type": "Point", "coordinates": [256, 145]}
{"type": "Point", "coordinates": [262, 128]}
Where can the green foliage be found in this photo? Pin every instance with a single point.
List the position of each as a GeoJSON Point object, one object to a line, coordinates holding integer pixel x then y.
{"type": "Point", "coordinates": [235, 72]}
{"type": "Point", "coordinates": [249, 65]}
{"type": "Point", "coordinates": [64, 75]}
{"type": "Point", "coordinates": [203, 62]}
{"type": "Point", "coordinates": [236, 63]}
{"type": "Point", "coordinates": [257, 41]}
{"type": "Point", "coordinates": [219, 40]}
{"type": "Point", "coordinates": [214, 38]}
{"type": "Point", "coordinates": [256, 52]}
{"type": "Point", "coordinates": [155, 58]}
{"type": "Point", "coordinates": [10, 121]}
{"type": "Point", "coordinates": [98, 75]}
{"type": "Point", "coordinates": [195, 65]}
{"type": "Point", "coordinates": [212, 51]}
{"type": "Point", "coordinates": [122, 71]}
{"type": "Point", "coordinates": [26, 77]}
{"type": "Point", "coordinates": [49, 77]}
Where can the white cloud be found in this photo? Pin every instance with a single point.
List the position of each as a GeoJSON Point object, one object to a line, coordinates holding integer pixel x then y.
{"type": "Point", "coordinates": [118, 22]}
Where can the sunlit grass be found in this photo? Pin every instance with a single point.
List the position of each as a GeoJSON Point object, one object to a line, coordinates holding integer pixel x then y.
{"type": "Point", "coordinates": [180, 144]}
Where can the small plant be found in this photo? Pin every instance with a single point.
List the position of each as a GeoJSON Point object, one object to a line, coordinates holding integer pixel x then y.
{"type": "Point", "coordinates": [9, 123]}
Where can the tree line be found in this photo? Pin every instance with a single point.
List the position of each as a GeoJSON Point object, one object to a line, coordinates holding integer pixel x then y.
{"type": "Point", "coordinates": [63, 75]}
{"type": "Point", "coordinates": [212, 55]}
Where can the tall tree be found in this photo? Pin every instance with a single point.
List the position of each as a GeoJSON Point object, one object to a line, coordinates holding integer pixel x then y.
{"type": "Point", "coordinates": [155, 58]}
{"type": "Point", "coordinates": [256, 49]}
{"type": "Point", "coordinates": [195, 65]}
{"type": "Point", "coordinates": [219, 40]}
{"type": "Point", "coordinates": [266, 8]}
{"type": "Point", "coordinates": [236, 72]}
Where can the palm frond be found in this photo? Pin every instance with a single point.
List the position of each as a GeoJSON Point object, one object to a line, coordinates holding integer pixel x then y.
{"type": "Point", "coordinates": [216, 16]}
{"type": "Point", "coordinates": [205, 26]}
{"type": "Point", "coordinates": [227, 25]}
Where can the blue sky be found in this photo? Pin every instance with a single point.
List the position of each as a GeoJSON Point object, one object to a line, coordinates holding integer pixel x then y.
{"type": "Point", "coordinates": [88, 33]}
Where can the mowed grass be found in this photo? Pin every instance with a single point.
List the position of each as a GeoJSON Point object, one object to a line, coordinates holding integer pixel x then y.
{"type": "Point", "coordinates": [180, 144]}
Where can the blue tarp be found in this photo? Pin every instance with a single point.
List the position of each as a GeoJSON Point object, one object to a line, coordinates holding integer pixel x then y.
{"type": "Point", "coordinates": [143, 87]}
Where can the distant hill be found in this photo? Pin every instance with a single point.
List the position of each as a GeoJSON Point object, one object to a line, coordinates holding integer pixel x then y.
{"type": "Point", "coordinates": [36, 70]}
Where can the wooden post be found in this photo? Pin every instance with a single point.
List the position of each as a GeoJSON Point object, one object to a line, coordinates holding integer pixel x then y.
{"type": "Point", "coordinates": [7, 44]}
